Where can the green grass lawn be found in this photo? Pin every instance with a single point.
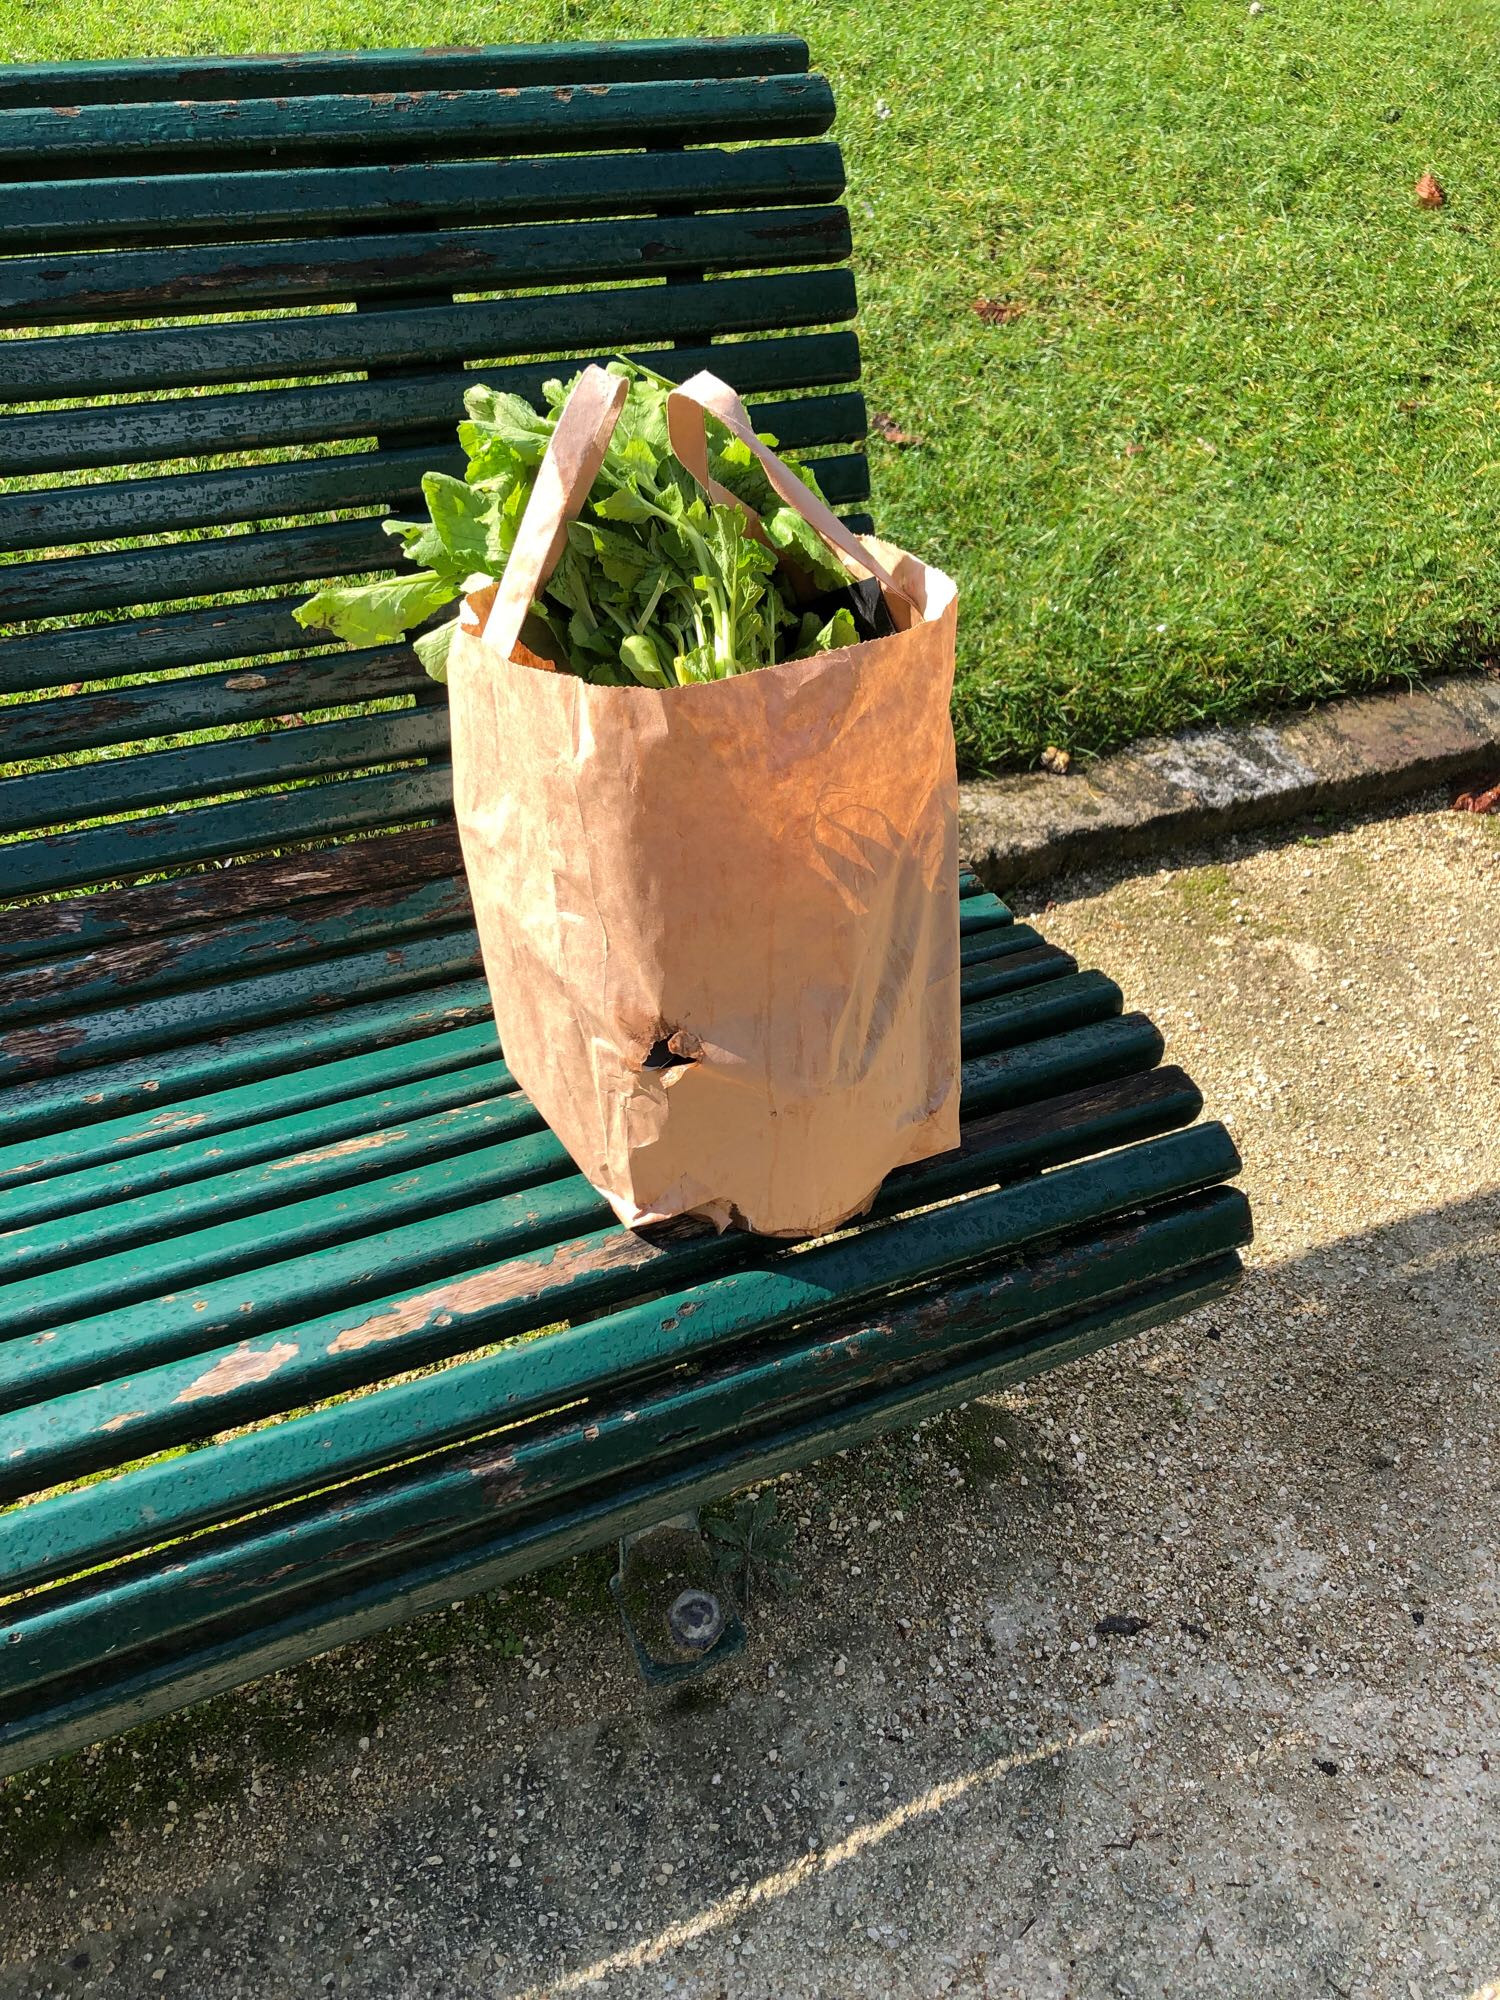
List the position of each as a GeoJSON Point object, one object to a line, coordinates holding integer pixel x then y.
{"type": "Point", "coordinates": [1238, 442]}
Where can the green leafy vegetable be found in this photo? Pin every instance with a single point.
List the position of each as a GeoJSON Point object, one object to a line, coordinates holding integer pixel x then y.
{"type": "Point", "coordinates": [656, 584]}
{"type": "Point", "coordinates": [814, 638]}
{"type": "Point", "coordinates": [375, 614]}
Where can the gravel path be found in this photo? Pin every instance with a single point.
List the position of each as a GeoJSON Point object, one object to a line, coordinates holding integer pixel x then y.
{"type": "Point", "coordinates": [931, 1774]}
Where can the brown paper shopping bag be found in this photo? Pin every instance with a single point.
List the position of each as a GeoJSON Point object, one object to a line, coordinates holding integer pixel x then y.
{"type": "Point", "coordinates": [719, 921]}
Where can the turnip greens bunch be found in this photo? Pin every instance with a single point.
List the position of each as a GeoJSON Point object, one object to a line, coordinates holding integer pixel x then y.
{"type": "Point", "coordinates": [657, 584]}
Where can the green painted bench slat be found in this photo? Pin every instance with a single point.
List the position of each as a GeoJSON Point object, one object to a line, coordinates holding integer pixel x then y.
{"type": "Point", "coordinates": [205, 770]}
{"type": "Point", "coordinates": [258, 951]}
{"type": "Point", "coordinates": [130, 284]}
{"type": "Point", "coordinates": [259, 1147]}
{"type": "Point", "coordinates": [91, 1704]}
{"type": "Point", "coordinates": [163, 963]}
{"type": "Point", "coordinates": [35, 932]}
{"type": "Point", "coordinates": [531, 118]}
{"type": "Point", "coordinates": [599, 1272]}
{"type": "Point", "coordinates": [125, 1202]}
{"type": "Point", "coordinates": [365, 1335]}
{"type": "Point", "coordinates": [26, 1301]}
{"type": "Point", "coordinates": [136, 433]}
{"type": "Point", "coordinates": [201, 833]}
{"type": "Point", "coordinates": [234, 351]}
{"type": "Point", "coordinates": [517, 1473]}
{"type": "Point", "coordinates": [46, 518]}
{"type": "Point", "coordinates": [116, 1301]}
{"type": "Point", "coordinates": [59, 1101]}
{"type": "Point", "coordinates": [302, 685]}
{"type": "Point", "coordinates": [977, 951]}
{"type": "Point", "coordinates": [141, 1408]}
{"type": "Point", "coordinates": [258, 997]}
{"type": "Point", "coordinates": [35, 662]}
{"type": "Point", "coordinates": [298, 1144]}
{"type": "Point", "coordinates": [119, 1160]}
{"type": "Point", "coordinates": [194, 207]}
{"type": "Point", "coordinates": [49, 517]}
{"type": "Point", "coordinates": [1094, 1053]}
{"type": "Point", "coordinates": [190, 569]}
{"type": "Point", "coordinates": [435, 1049]}
{"type": "Point", "coordinates": [845, 479]}
{"type": "Point", "coordinates": [197, 958]}
{"type": "Point", "coordinates": [980, 911]}
{"type": "Point", "coordinates": [1015, 970]}
{"type": "Point", "coordinates": [31, 1303]}
{"type": "Point", "coordinates": [597, 1275]}
{"type": "Point", "coordinates": [76, 1042]}
{"type": "Point", "coordinates": [492, 67]}
{"type": "Point", "coordinates": [249, 561]}
{"type": "Point", "coordinates": [55, 1274]}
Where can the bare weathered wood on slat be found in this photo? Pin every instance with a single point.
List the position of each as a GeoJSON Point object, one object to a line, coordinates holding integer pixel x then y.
{"type": "Point", "coordinates": [167, 960]}
{"type": "Point", "coordinates": [483, 67]}
{"type": "Point", "coordinates": [318, 200]}
{"type": "Point", "coordinates": [388, 124]}
{"type": "Point", "coordinates": [41, 931]}
{"type": "Point", "coordinates": [142, 284]}
{"type": "Point", "coordinates": [63, 365]}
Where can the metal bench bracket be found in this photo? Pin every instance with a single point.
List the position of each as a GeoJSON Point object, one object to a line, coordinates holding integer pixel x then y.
{"type": "Point", "coordinates": [678, 1618]}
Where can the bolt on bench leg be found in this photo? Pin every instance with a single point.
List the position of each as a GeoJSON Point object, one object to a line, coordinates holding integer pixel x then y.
{"type": "Point", "coordinates": [677, 1616]}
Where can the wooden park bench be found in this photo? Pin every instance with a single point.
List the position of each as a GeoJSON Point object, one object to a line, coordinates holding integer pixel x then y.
{"type": "Point", "coordinates": [262, 1167]}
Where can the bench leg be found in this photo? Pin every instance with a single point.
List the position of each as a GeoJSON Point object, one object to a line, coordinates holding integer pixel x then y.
{"type": "Point", "coordinates": [677, 1616]}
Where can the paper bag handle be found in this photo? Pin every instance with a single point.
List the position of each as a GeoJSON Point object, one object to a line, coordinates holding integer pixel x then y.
{"type": "Point", "coordinates": [571, 464]}
{"type": "Point", "coordinates": [574, 454]}
{"type": "Point", "coordinates": [686, 431]}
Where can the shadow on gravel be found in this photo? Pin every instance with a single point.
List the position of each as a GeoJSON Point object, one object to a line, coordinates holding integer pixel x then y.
{"type": "Point", "coordinates": [1257, 1545]}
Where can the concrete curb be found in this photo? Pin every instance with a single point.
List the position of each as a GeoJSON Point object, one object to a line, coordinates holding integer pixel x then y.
{"type": "Point", "coordinates": [1168, 790]}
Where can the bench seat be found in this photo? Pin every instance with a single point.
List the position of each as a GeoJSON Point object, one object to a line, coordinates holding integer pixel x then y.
{"type": "Point", "coordinates": [307, 1324]}
{"type": "Point", "coordinates": [332, 1195]}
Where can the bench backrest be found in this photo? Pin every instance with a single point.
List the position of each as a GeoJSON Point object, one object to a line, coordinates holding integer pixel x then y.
{"type": "Point", "coordinates": [242, 298]}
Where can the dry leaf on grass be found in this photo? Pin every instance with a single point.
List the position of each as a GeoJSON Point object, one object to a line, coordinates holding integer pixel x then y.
{"type": "Point", "coordinates": [1487, 801]}
{"type": "Point", "coordinates": [1000, 312]}
{"type": "Point", "coordinates": [1056, 761]}
{"type": "Point", "coordinates": [1430, 191]}
{"type": "Point", "coordinates": [887, 428]}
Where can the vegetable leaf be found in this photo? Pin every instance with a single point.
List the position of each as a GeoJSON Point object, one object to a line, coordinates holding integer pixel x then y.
{"type": "Point", "coordinates": [375, 614]}
{"type": "Point", "coordinates": [787, 530]}
{"type": "Point", "coordinates": [839, 631]}
{"type": "Point", "coordinates": [431, 648]}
